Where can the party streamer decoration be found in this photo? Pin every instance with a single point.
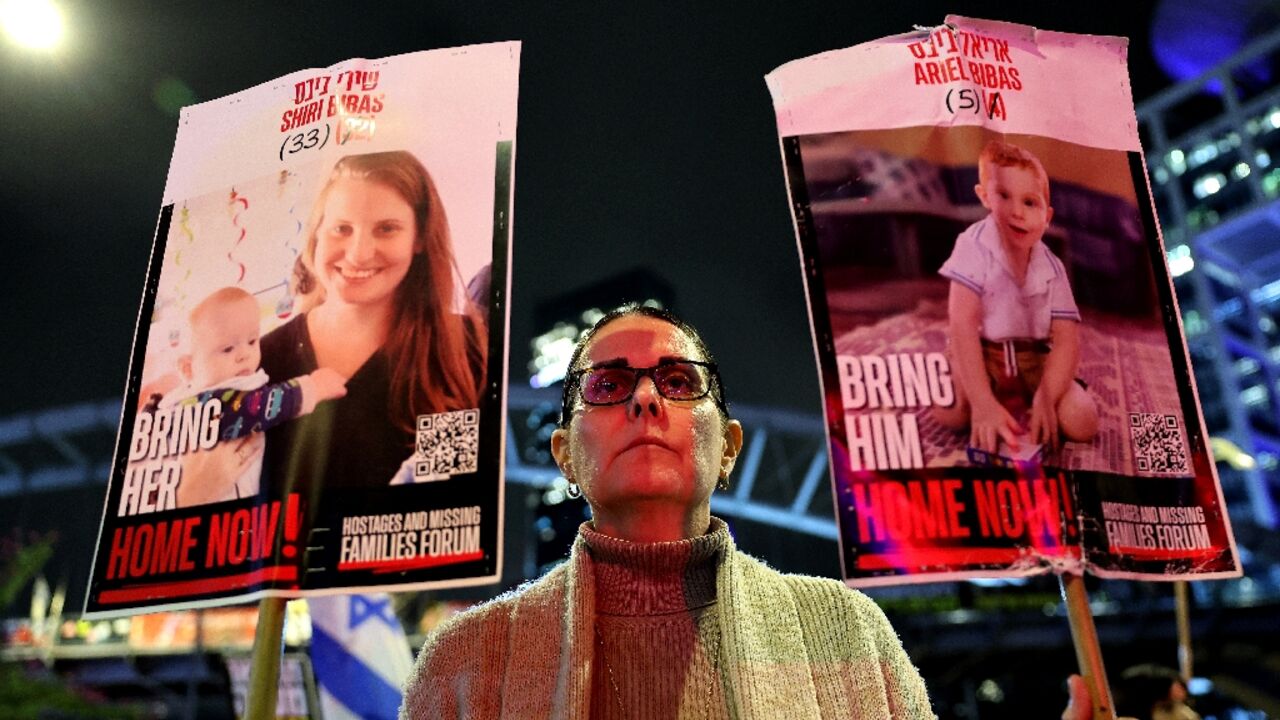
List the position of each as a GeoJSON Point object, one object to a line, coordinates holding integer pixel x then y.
{"type": "Point", "coordinates": [184, 224]}
{"type": "Point", "coordinates": [284, 307]}
{"type": "Point", "coordinates": [243, 201]}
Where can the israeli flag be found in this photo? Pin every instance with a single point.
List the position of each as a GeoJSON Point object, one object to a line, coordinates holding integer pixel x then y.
{"type": "Point", "coordinates": [360, 655]}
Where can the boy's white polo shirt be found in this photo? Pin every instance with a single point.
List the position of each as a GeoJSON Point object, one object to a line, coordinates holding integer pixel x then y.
{"type": "Point", "coordinates": [1009, 311]}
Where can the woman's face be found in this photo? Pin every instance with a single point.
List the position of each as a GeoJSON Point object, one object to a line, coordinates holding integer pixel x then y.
{"type": "Point", "coordinates": [365, 242]}
{"type": "Point", "coordinates": [648, 448]}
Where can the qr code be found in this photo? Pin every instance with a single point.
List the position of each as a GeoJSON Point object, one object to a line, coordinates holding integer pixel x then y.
{"type": "Point", "coordinates": [1157, 443]}
{"type": "Point", "coordinates": [448, 444]}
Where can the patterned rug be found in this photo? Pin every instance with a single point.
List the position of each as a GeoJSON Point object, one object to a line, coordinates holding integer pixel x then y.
{"type": "Point", "coordinates": [1125, 363]}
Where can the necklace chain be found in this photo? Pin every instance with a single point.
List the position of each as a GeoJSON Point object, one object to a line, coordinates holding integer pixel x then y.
{"type": "Point", "coordinates": [617, 694]}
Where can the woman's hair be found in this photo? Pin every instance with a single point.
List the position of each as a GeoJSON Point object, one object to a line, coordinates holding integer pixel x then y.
{"type": "Point", "coordinates": [1142, 688]}
{"type": "Point", "coordinates": [436, 356]}
{"type": "Point", "coordinates": [569, 396]}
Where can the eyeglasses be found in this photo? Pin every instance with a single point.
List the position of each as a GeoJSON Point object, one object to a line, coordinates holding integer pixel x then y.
{"type": "Point", "coordinates": [674, 380]}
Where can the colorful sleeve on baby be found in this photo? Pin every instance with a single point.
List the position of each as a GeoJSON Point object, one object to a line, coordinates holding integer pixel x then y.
{"type": "Point", "coordinates": [259, 410]}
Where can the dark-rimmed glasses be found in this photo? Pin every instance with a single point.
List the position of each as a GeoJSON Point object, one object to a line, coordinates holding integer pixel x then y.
{"type": "Point", "coordinates": [674, 380]}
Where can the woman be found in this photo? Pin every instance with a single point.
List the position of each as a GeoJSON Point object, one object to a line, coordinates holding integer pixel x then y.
{"type": "Point", "coordinates": [376, 283]}
{"type": "Point", "coordinates": [1153, 692]}
{"type": "Point", "coordinates": [656, 614]}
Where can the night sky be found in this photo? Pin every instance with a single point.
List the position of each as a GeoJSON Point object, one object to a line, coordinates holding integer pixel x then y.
{"type": "Point", "coordinates": [645, 138]}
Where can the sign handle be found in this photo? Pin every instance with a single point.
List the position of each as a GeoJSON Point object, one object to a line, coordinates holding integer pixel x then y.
{"type": "Point", "coordinates": [1085, 638]}
{"type": "Point", "coordinates": [264, 670]}
{"type": "Point", "coordinates": [1182, 608]}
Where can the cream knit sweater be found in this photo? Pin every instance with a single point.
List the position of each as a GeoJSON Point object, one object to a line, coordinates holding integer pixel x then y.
{"type": "Point", "coordinates": [784, 646]}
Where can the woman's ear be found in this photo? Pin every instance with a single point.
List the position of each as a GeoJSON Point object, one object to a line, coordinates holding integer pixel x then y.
{"type": "Point", "coordinates": [732, 447]}
{"type": "Point", "coordinates": [560, 451]}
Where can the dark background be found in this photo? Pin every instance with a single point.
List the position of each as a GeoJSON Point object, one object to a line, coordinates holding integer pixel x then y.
{"type": "Point", "coordinates": [646, 138]}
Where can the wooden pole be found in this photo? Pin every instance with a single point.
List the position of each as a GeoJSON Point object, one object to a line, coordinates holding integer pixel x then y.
{"type": "Point", "coordinates": [1085, 638]}
{"type": "Point", "coordinates": [264, 671]}
{"type": "Point", "coordinates": [1182, 608]}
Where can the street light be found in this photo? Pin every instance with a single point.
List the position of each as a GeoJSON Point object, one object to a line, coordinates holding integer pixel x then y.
{"type": "Point", "coordinates": [34, 24]}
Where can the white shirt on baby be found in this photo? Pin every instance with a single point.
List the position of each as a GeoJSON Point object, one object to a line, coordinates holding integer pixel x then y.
{"type": "Point", "coordinates": [1010, 311]}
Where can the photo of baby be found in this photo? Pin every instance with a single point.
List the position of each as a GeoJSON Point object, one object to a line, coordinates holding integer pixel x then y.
{"type": "Point", "coordinates": [1017, 270]}
{"type": "Point", "coordinates": [223, 362]}
{"type": "Point", "coordinates": [327, 312]}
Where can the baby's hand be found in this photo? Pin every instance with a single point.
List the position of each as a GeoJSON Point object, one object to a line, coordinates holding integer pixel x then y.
{"type": "Point", "coordinates": [1044, 422]}
{"type": "Point", "coordinates": [989, 422]}
{"type": "Point", "coordinates": [322, 384]}
{"type": "Point", "coordinates": [329, 384]}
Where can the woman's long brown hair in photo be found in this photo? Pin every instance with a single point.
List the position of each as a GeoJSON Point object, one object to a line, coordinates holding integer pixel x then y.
{"type": "Point", "coordinates": [434, 349]}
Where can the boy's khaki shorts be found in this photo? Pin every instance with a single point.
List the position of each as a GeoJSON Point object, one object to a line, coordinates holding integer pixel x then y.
{"type": "Point", "coordinates": [1017, 374]}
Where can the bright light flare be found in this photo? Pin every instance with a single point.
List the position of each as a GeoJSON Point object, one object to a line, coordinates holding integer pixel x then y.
{"type": "Point", "coordinates": [1180, 262]}
{"type": "Point", "coordinates": [1226, 451]}
{"type": "Point", "coordinates": [34, 24]}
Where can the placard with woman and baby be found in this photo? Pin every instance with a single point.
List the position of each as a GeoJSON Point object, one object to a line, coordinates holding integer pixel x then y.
{"type": "Point", "coordinates": [316, 395]}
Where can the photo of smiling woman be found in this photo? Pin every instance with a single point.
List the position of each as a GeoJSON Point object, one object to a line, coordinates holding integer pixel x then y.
{"type": "Point", "coordinates": [376, 283]}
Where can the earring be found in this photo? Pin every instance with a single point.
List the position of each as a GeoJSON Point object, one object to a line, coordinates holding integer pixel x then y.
{"type": "Point", "coordinates": [574, 490]}
{"type": "Point", "coordinates": [723, 482]}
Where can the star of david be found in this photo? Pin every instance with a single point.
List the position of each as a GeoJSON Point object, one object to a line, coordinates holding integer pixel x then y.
{"type": "Point", "coordinates": [363, 608]}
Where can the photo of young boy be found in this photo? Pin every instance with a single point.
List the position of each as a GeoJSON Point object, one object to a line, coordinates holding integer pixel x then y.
{"type": "Point", "coordinates": [1013, 325]}
{"type": "Point", "coordinates": [992, 297]}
